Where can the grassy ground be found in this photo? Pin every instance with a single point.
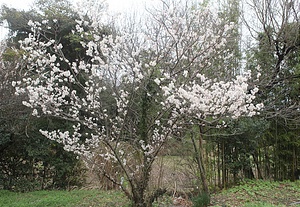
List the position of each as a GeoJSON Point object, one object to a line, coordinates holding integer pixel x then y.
{"type": "Point", "coordinates": [249, 194]}
{"type": "Point", "coordinates": [260, 194]}
{"type": "Point", "coordinates": [76, 198]}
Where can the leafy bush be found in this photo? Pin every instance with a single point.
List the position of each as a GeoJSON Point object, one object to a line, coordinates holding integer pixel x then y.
{"type": "Point", "coordinates": [31, 162]}
{"type": "Point", "coordinates": [202, 200]}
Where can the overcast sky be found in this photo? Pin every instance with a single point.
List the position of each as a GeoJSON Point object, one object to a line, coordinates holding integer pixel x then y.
{"type": "Point", "coordinates": [115, 6]}
{"type": "Point", "coordinates": [19, 4]}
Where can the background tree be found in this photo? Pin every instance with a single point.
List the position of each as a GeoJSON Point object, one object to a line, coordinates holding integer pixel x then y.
{"type": "Point", "coordinates": [277, 36]}
{"type": "Point", "coordinates": [29, 161]}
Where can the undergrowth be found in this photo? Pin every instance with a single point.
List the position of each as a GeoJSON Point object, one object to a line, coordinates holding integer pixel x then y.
{"type": "Point", "coordinates": [259, 193]}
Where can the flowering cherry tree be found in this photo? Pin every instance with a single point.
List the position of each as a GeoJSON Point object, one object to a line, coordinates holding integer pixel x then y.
{"type": "Point", "coordinates": [134, 92]}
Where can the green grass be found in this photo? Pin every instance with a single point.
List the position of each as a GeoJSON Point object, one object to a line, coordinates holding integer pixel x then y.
{"type": "Point", "coordinates": [259, 193]}
{"type": "Point", "coordinates": [248, 194]}
{"type": "Point", "coordinates": [76, 198]}
{"type": "Point", "coordinates": [260, 204]}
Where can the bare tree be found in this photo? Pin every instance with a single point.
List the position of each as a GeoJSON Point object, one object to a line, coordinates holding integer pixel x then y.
{"type": "Point", "coordinates": [275, 24]}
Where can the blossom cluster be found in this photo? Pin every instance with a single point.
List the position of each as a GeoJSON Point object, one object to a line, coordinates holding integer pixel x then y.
{"type": "Point", "coordinates": [202, 98]}
{"type": "Point", "coordinates": [111, 92]}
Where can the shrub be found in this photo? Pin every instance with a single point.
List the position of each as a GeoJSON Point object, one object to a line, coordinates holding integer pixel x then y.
{"type": "Point", "coordinates": [202, 200]}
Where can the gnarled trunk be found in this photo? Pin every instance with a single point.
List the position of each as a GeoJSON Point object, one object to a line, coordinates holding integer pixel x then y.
{"type": "Point", "coordinates": [138, 199]}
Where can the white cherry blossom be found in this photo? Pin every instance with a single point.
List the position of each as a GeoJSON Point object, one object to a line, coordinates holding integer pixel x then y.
{"type": "Point", "coordinates": [162, 71]}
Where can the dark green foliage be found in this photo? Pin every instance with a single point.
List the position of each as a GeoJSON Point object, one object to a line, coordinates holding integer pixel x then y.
{"type": "Point", "coordinates": [277, 54]}
{"type": "Point", "coordinates": [49, 10]}
{"type": "Point", "coordinates": [283, 142]}
{"type": "Point", "coordinates": [30, 161]}
{"type": "Point", "coordinates": [18, 22]}
{"type": "Point", "coordinates": [202, 200]}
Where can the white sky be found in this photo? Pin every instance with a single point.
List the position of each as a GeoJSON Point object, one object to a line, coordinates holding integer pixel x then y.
{"type": "Point", "coordinates": [115, 7]}
{"type": "Point", "coordinates": [23, 4]}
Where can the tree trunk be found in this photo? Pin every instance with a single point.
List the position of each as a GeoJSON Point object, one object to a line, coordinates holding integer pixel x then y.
{"type": "Point", "coordinates": [255, 158]}
{"type": "Point", "coordinates": [267, 163]}
{"type": "Point", "coordinates": [139, 187]}
{"type": "Point", "coordinates": [293, 176]}
{"type": "Point", "coordinates": [223, 166]}
{"type": "Point", "coordinates": [199, 159]}
{"type": "Point", "coordinates": [219, 167]}
{"type": "Point", "coordinates": [138, 199]}
{"type": "Point", "coordinates": [248, 172]}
